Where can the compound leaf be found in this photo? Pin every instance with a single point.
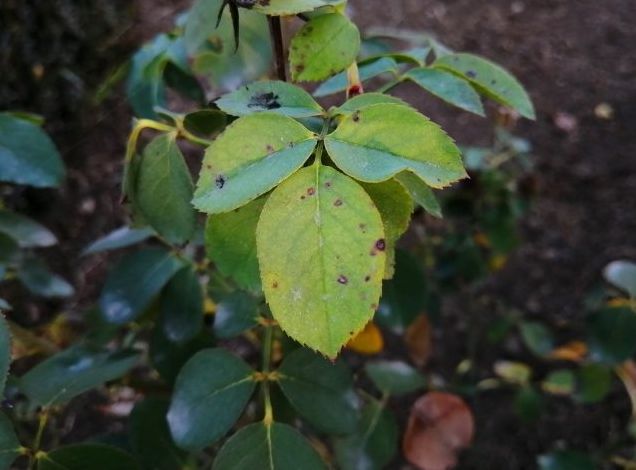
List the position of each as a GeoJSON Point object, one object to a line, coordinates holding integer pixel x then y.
{"type": "Point", "coordinates": [321, 249]}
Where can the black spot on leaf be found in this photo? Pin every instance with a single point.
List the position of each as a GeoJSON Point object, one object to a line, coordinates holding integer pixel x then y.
{"type": "Point", "coordinates": [380, 245]}
{"type": "Point", "coordinates": [220, 181]}
{"type": "Point", "coordinates": [356, 116]}
{"type": "Point", "coordinates": [337, 202]}
{"type": "Point", "coordinates": [471, 74]}
{"type": "Point", "coordinates": [267, 100]}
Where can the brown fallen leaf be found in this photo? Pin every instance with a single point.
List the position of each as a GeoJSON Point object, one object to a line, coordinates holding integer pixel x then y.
{"type": "Point", "coordinates": [419, 340]}
{"type": "Point", "coordinates": [440, 425]}
{"type": "Point", "coordinates": [574, 351]}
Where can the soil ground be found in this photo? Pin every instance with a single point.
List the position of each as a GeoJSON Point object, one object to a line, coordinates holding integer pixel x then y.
{"type": "Point", "coordinates": [571, 55]}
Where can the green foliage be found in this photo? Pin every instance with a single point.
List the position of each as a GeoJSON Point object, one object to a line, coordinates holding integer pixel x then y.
{"type": "Point", "coordinates": [612, 333]}
{"type": "Point", "coordinates": [10, 447]}
{"type": "Point", "coordinates": [182, 306]}
{"type": "Point", "coordinates": [5, 351]}
{"type": "Point", "coordinates": [394, 377]}
{"type": "Point", "coordinates": [82, 456]}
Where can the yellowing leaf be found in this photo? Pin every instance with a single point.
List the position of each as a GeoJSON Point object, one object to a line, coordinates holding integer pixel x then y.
{"type": "Point", "coordinates": [369, 341]}
{"type": "Point", "coordinates": [379, 141]}
{"type": "Point", "coordinates": [573, 351]}
{"type": "Point", "coordinates": [321, 249]}
{"type": "Point", "coordinates": [252, 156]}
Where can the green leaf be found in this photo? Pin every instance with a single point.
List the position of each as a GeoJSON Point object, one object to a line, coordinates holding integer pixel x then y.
{"type": "Point", "coordinates": [27, 155]}
{"type": "Point", "coordinates": [150, 437]}
{"type": "Point", "coordinates": [368, 99]}
{"type": "Point", "coordinates": [168, 357]}
{"type": "Point", "coordinates": [537, 337]}
{"type": "Point", "coordinates": [321, 252]}
{"type": "Point", "coordinates": [421, 193]}
{"type": "Point", "coordinates": [213, 49]}
{"type": "Point", "coordinates": [134, 282]}
{"type": "Point", "coordinates": [205, 122]}
{"type": "Point", "coordinates": [274, 96]}
{"type": "Point", "coordinates": [200, 23]}
{"type": "Point", "coordinates": [325, 45]}
{"type": "Point", "coordinates": [230, 243]}
{"type": "Point", "coordinates": [37, 277]}
{"type": "Point", "coordinates": [164, 189]}
{"type": "Point", "coordinates": [395, 207]}
{"type": "Point", "coordinates": [368, 71]}
{"type": "Point", "coordinates": [210, 394]}
{"type": "Point", "coordinates": [528, 404]}
{"type": "Point", "coordinates": [252, 156]}
{"type": "Point", "coordinates": [490, 79]}
{"type": "Point", "coordinates": [119, 238]}
{"type": "Point", "coordinates": [10, 447]}
{"type": "Point", "coordinates": [374, 442]}
{"type": "Point", "coordinates": [280, 445]}
{"type": "Point", "coordinates": [145, 87]}
{"type": "Point", "coordinates": [320, 391]}
{"type": "Point", "coordinates": [235, 313]}
{"type": "Point", "coordinates": [559, 382]}
{"type": "Point", "coordinates": [9, 252]}
{"type": "Point", "coordinates": [85, 456]}
{"type": "Point", "coordinates": [622, 274]}
{"type": "Point", "coordinates": [72, 372]}
{"type": "Point", "coordinates": [377, 142]}
{"type": "Point", "coordinates": [448, 87]}
{"type": "Point", "coordinates": [593, 383]}
{"type": "Point", "coordinates": [566, 460]}
{"type": "Point", "coordinates": [5, 353]}
{"type": "Point", "coordinates": [292, 7]}
{"type": "Point", "coordinates": [26, 232]}
{"type": "Point", "coordinates": [182, 306]}
{"type": "Point", "coordinates": [398, 306]}
{"type": "Point", "coordinates": [612, 332]}
{"type": "Point", "coordinates": [395, 377]}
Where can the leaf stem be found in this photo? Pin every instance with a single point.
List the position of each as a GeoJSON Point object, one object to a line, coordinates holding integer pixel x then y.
{"type": "Point", "coordinates": [43, 419]}
{"type": "Point", "coordinates": [276, 34]}
{"type": "Point", "coordinates": [267, 357]}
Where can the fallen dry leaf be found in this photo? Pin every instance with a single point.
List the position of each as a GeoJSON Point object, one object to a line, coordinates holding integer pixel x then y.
{"type": "Point", "coordinates": [368, 341]}
{"type": "Point", "coordinates": [419, 340]}
{"type": "Point", "coordinates": [573, 351]}
{"type": "Point", "coordinates": [440, 425]}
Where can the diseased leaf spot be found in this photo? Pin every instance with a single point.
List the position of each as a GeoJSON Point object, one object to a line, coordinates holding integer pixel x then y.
{"type": "Point", "coordinates": [380, 244]}
{"type": "Point", "coordinates": [270, 148]}
{"type": "Point", "coordinates": [220, 181]}
{"type": "Point", "coordinates": [374, 307]}
{"type": "Point", "coordinates": [355, 90]}
{"type": "Point", "coordinates": [337, 202]}
{"type": "Point", "coordinates": [275, 284]}
{"type": "Point", "coordinates": [471, 74]}
{"type": "Point", "coordinates": [267, 100]}
{"type": "Point", "coordinates": [311, 191]}
{"type": "Point", "coordinates": [342, 279]}
{"type": "Point", "coordinates": [356, 116]}
{"type": "Point", "coordinates": [328, 184]}
{"type": "Point", "coordinates": [367, 278]}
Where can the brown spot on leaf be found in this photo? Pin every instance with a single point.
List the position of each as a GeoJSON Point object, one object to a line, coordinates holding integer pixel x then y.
{"type": "Point", "coordinates": [328, 184]}
{"type": "Point", "coordinates": [342, 279]}
{"type": "Point", "coordinates": [275, 284]}
{"type": "Point", "coordinates": [380, 244]}
{"type": "Point", "coordinates": [367, 278]}
{"type": "Point", "coordinates": [356, 116]}
{"type": "Point", "coordinates": [270, 148]}
{"type": "Point", "coordinates": [311, 191]}
{"type": "Point", "coordinates": [337, 202]}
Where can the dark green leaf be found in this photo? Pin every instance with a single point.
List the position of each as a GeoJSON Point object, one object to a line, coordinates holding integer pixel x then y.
{"type": "Point", "coordinates": [421, 193]}
{"type": "Point", "coordinates": [5, 352]}
{"type": "Point", "coordinates": [10, 447]}
{"type": "Point", "coordinates": [120, 238]}
{"type": "Point", "coordinates": [168, 357]}
{"type": "Point", "coordinates": [448, 87]}
{"type": "Point", "coordinates": [559, 382]}
{"type": "Point", "coordinates": [164, 190]}
{"type": "Point", "coordinates": [134, 282]}
{"type": "Point", "coordinates": [27, 155]}
{"type": "Point", "coordinates": [272, 446]}
{"type": "Point", "coordinates": [374, 442]}
{"type": "Point", "coordinates": [377, 142]}
{"type": "Point", "coordinates": [72, 372]}
{"type": "Point", "coordinates": [292, 7]}
{"type": "Point", "coordinates": [593, 383]}
{"type": "Point", "coordinates": [182, 306]}
{"type": "Point", "coordinates": [320, 391]}
{"type": "Point", "coordinates": [205, 122]}
{"type": "Point", "coordinates": [9, 251]}
{"type": "Point", "coordinates": [150, 437]}
{"type": "Point", "coordinates": [368, 99]}
{"type": "Point", "coordinates": [395, 377]}
{"type": "Point", "coordinates": [489, 79]}
{"type": "Point", "coordinates": [26, 232]}
{"type": "Point", "coordinates": [566, 460]}
{"type": "Point", "coordinates": [398, 305]}
{"type": "Point", "coordinates": [201, 23]}
{"type": "Point", "coordinates": [274, 96]}
{"type": "Point", "coordinates": [537, 337]}
{"type": "Point", "coordinates": [184, 82]}
{"type": "Point", "coordinates": [622, 274]}
{"type": "Point", "coordinates": [87, 456]}
{"type": "Point", "coordinates": [230, 242]}
{"type": "Point", "coordinates": [235, 313]}
{"type": "Point", "coordinates": [528, 404]}
{"type": "Point", "coordinates": [325, 45]}
{"type": "Point", "coordinates": [253, 155]}
{"type": "Point", "coordinates": [612, 332]}
{"type": "Point", "coordinates": [367, 71]}
{"type": "Point", "coordinates": [37, 277]}
{"type": "Point", "coordinates": [210, 394]}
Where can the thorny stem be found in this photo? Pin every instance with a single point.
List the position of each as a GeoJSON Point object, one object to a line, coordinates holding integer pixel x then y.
{"type": "Point", "coordinates": [276, 33]}
{"type": "Point", "coordinates": [267, 356]}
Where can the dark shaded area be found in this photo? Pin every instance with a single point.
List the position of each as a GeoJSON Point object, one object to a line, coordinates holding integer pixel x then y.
{"type": "Point", "coordinates": [572, 56]}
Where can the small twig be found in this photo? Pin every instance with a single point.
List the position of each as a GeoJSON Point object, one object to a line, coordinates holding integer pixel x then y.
{"type": "Point", "coordinates": [276, 33]}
